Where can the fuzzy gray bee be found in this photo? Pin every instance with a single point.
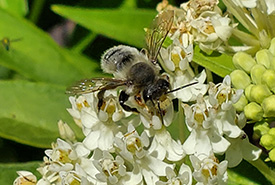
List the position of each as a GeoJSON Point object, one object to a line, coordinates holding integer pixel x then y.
{"type": "Point", "coordinates": [136, 71]}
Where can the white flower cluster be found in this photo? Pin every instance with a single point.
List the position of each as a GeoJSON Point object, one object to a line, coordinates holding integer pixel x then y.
{"type": "Point", "coordinates": [123, 147]}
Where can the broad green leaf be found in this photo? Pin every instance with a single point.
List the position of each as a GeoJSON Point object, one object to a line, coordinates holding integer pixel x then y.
{"type": "Point", "coordinates": [221, 64]}
{"type": "Point", "coordinates": [17, 7]}
{"type": "Point", "coordinates": [246, 174]}
{"type": "Point", "coordinates": [36, 56]}
{"type": "Point", "coordinates": [124, 25]}
{"type": "Point", "coordinates": [29, 112]}
{"type": "Point", "coordinates": [8, 171]}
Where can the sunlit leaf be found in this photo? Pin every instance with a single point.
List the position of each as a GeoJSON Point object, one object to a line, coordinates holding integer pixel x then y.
{"type": "Point", "coordinates": [29, 112]}
{"type": "Point", "coordinates": [37, 57]}
{"type": "Point", "coordinates": [17, 7]}
{"type": "Point", "coordinates": [8, 171]}
{"type": "Point", "coordinates": [221, 64]}
{"type": "Point", "coordinates": [124, 25]}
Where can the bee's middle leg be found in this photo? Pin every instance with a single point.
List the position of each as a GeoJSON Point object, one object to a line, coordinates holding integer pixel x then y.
{"type": "Point", "coordinates": [123, 97]}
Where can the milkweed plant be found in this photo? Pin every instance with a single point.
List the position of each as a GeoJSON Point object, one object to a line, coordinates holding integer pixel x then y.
{"type": "Point", "coordinates": [123, 147]}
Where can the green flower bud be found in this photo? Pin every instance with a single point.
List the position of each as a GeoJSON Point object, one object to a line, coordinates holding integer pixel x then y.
{"type": "Point", "coordinates": [272, 47]}
{"type": "Point", "coordinates": [268, 78]}
{"type": "Point", "coordinates": [256, 73]}
{"type": "Point", "coordinates": [247, 92]}
{"type": "Point", "coordinates": [271, 131]}
{"type": "Point", "coordinates": [271, 155]}
{"type": "Point", "coordinates": [241, 103]}
{"type": "Point", "coordinates": [240, 79]}
{"type": "Point", "coordinates": [259, 92]}
{"type": "Point", "coordinates": [272, 64]}
{"type": "Point", "coordinates": [244, 61]}
{"type": "Point", "coordinates": [268, 141]}
{"type": "Point", "coordinates": [264, 57]}
{"type": "Point", "coordinates": [253, 111]}
{"type": "Point", "coordinates": [268, 106]}
{"type": "Point", "coordinates": [261, 129]}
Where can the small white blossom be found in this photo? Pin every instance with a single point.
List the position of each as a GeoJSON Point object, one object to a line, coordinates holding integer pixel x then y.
{"type": "Point", "coordinates": [205, 137]}
{"type": "Point", "coordinates": [132, 148]}
{"type": "Point", "coordinates": [25, 178]}
{"type": "Point", "coordinates": [209, 171]}
{"type": "Point", "coordinates": [240, 149]}
{"type": "Point", "coordinates": [163, 146]}
{"type": "Point", "coordinates": [184, 176]}
{"type": "Point", "coordinates": [110, 170]}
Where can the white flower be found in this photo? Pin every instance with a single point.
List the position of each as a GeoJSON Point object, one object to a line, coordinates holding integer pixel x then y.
{"type": "Point", "coordinates": [205, 137]}
{"type": "Point", "coordinates": [66, 132]}
{"type": "Point", "coordinates": [209, 170]}
{"type": "Point", "coordinates": [239, 149]}
{"type": "Point", "coordinates": [184, 176]}
{"type": "Point", "coordinates": [189, 93]}
{"type": "Point", "coordinates": [163, 146]}
{"type": "Point", "coordinates": [99, 124]}
{"type": "Point", "coordinates": [111, 170]}
{"type": "Point", "coordinates": [222, 97]}
{"type": "Point", "coordinates": [132, 148]}
{"type": "Point", "coordinates": [25, 178]}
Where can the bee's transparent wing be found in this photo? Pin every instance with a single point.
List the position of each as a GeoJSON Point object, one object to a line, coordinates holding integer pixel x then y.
{"type": "Point", "coordinates": [94, 84]}
{"type": "Point", "coordinates": [156, 35]}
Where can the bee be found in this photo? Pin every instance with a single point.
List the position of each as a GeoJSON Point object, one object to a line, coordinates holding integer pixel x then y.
{"type": "Point", "coordinates": [6, 42]}
{"type": "Point", "coordinates": [137, 71]}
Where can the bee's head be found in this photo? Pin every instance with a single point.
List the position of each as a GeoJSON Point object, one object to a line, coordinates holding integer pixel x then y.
{"type": "Point", "coordinates": [156, 90]}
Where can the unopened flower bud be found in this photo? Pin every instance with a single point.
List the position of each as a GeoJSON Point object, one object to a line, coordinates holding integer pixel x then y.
{"type": "Point", "coordinates": [264, 57]}
{"type": "Point", "coordinates": [268, 78]}
{"type": "Point", "coordinates": [259, 92]}
{"type": "Point", "coordinates": [241, 103]}
{"type": "Point", "coordinates": [272, 131]}
{"type": "Point", "coordinates": [268, 106]}
{"type": "Point", "coordinates": [240, 79]}
{"type": "Point", "coordinates": [261, 129]}
{"type": "Point", "coordinates": [247, 92]}
{"type": "Point", "coordinates": [256, 73]}
{"type": "Point", "coordinates": [253, 111]}
{"type": "Point", "coordinates": [272, 47]}
{"type": "Point", "coordinates": [244, 61]}
{"type": "Point", "coordinates": [272, 155]}
{"type": "Point", "coordinates": [267, 141]}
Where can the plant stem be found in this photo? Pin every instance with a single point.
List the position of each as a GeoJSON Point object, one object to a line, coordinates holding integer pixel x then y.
{"type": "Point", "coordinates": [264, 169]}
{"type": "Point", "coordinates": [183, 130]}
{"type": "Point", "coordinates": [36, 10]}
{"type": "Point", "coordinates": [81, 45]}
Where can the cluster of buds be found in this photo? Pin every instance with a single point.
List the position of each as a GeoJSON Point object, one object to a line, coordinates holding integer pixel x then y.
{"type": "Point", "coordinates": [257, 77]}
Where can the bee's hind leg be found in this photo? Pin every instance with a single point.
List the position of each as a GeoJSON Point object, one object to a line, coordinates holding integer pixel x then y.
{"type": "Point", "coordinates": [123, 97]}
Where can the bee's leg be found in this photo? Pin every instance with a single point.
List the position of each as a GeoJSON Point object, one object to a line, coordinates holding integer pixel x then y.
{"type": "Point", "coordinates": [159, 109]}
{"type": "Point", "coordinates": [160, 112]}
{"type": "Point", "coordinates": [100, 97]}
{"type": "Point", "coordinates": [123, 97]}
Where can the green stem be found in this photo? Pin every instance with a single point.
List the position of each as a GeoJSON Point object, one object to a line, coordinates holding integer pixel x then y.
{"type": "Point", "coordinates": [79, 47]}
{"type": "Point", "coordinates": [36, 10]}
{"type": "Point", "coordinates": [183, 130]}
{"type": "Point", "coordinates": [264, 169]}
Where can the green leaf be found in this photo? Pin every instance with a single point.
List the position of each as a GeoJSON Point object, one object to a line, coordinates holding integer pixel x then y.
{"type": "Point", "coordinates": [29, 112]}
{"type": "Point", "coordinates": [124, 25]}
{"type": "Point", "coordinates": [36, 56]}
{"type": "Point", "coordinates": [221, 64]}
{"type": "Point", "coordinates": [246, 174]}
{"type": "Point", "coordinates": [17, 7]}
{"type": "Point", "coordinates": [8, 171]}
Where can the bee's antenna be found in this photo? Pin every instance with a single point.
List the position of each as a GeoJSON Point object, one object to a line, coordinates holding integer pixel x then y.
{"type": "Point", "coordinates": [182, 87]}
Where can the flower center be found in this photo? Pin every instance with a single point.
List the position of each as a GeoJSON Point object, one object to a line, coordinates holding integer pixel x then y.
{"type": "Point", "coordinates": [109, 167]}
{"type": "Point", "coordinates": [134, 144]}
